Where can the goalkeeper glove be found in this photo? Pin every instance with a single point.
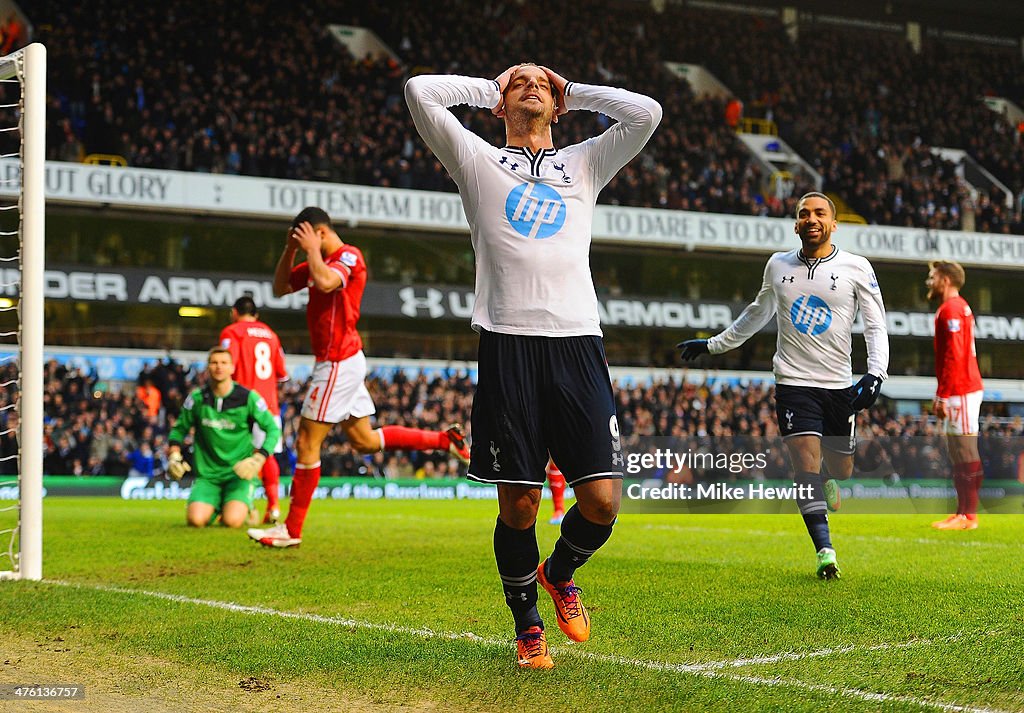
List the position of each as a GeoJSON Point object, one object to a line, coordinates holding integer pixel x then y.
{"type": "Point", "coordinates": [865, 392]}
{"type": "Point", "coordinates": [176, 465]}
{"type": "Point", "coordinates": [692, 348]}
{"type": "Point", "coordinates": [249, 468]}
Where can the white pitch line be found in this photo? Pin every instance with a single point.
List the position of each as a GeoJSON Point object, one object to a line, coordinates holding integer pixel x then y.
{"type": "Point", "coordinates": [793, 683]}
{"type": "Point", "coordinates": [284, 614]}
{"type": "Point", "coordinates": [711, 669]}
{"type": "Point", "coordinates": [929, 541]}
{"type": "Point", "coordinates": [818, 653]}
{"type": "Point", "coordinates": [856, 693]}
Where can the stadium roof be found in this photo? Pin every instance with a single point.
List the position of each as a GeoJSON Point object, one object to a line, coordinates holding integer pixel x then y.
{"type": "Point", "coordinates": [998, 17]}
{"type": "Point", "coordinates": [993, 17]}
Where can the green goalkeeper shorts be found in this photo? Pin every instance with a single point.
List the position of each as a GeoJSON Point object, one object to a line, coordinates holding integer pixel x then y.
{"type": "Point", "coordinates": [217, 492]}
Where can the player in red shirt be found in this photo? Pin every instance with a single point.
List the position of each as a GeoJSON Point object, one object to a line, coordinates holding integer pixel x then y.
{"type": "Point", "coordinates": [958, 397]}
{"type": "Point", "coordinates": [556, 481]}
{"type": "Point", "coordinates": [259, 365]}
{"type": "Point", "coordinates": [335, 274]}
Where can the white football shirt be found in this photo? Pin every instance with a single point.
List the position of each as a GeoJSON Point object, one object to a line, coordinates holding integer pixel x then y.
{"type": "Point", "coordinates": [530, 214]}
{"type": "Point", "coordinates": [815, 301]}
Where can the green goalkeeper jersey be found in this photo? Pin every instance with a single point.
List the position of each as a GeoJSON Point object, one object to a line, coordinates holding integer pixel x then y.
{"type": "Point", "coordinates": [223, 429]}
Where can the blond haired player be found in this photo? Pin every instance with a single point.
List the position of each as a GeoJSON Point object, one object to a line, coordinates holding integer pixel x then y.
{"type": "Point", "coordinates": [959, 393]}
{"type": "Point", "coordinates": [221, 414]}
{"type": "Point", "coordinates": [543, 381]}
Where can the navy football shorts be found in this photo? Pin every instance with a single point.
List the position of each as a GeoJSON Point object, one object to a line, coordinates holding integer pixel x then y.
{"type": "Point", "coordinates": [537, 395]}
{"type": "Point", "coordinates": [808, 410]}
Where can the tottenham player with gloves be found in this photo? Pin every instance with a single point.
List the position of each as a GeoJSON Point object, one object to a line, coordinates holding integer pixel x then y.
{"type": "Point", "coordinates": [815, 293]}
{"type": "Point", "coordinates": [227, 466]}
{"type": "Point", "coordinates": [543, 381]}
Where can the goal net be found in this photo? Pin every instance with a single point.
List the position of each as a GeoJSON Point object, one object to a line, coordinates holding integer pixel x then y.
{"type": "Point", "coordinates": [22, 145]}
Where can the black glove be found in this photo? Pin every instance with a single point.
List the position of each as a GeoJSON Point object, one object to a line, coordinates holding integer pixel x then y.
{"type": "Point", "coordinates": [865, 392]}
{"type": "Point", "coordinates": [692, 348]}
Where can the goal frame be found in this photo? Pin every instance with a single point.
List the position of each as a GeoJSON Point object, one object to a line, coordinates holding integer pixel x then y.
{"type": "Point", "coordinates": [28, 65]}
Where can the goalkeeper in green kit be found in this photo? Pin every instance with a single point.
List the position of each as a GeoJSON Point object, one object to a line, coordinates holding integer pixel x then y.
{"type": "Point", "coordinates": [227, 467]}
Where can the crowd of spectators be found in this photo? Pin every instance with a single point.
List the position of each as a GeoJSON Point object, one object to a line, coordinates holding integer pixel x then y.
{"type": "Point", "coordinates": [89, 431]}
{"type": "Point", "coordinates": [866, 111]}
{"type": "Point", "coordinates": [231, 90]}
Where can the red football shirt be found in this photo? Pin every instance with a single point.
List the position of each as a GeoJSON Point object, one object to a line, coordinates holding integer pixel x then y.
{"type": "Point", "coordinates": [956, 359]}
{"type": "Point", "coordinates": [332, 316]}
{"type": "Point", "coordinates": [259, 359]}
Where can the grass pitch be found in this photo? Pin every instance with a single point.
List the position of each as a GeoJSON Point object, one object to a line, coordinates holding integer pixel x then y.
{"type": "Point", "coordinates": [393, 605]}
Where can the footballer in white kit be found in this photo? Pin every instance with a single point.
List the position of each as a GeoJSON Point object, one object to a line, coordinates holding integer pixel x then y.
{"type": "Point", "coordinates": [814, 293]}
{"type": "Point", "coordinates": [543, 383]}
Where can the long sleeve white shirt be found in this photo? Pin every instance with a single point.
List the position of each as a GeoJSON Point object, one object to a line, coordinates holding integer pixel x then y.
{"type": "Point", "coordinates": [815, 302]}
{"type": "Point", "coordinates": [531, 214]}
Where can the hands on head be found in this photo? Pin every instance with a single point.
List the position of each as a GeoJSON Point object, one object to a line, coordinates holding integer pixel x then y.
{"type": "Point", "coordinates": [305, 237]}
{"type": "Point", "coordinates": [558, 83]}
{"type": "Point", "coordinates": [555, 80]}
{"type": "Point", "coordinates": [503, 79]}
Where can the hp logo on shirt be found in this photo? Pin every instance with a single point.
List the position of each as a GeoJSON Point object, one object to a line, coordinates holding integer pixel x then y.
{"type": "Point", "coordinates": [810, 315]}
{"type": "Point", "coordinates": [535, 210]}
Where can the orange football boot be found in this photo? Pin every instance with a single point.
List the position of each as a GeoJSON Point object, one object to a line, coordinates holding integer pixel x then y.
{"type": "Point", "coordinates": [573, 619]}
{"type": "Point", "coordinates": [953, 522]}
{"type": "Point", "coordinates": [532, 649]}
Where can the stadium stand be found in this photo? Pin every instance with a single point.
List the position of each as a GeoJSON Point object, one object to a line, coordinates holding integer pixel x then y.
{"type": "Point", "coordinates": [864, 110]}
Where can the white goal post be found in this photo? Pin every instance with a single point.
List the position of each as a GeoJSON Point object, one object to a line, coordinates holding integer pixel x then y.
{"type": "Point", "coordinates": [27, 67]}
